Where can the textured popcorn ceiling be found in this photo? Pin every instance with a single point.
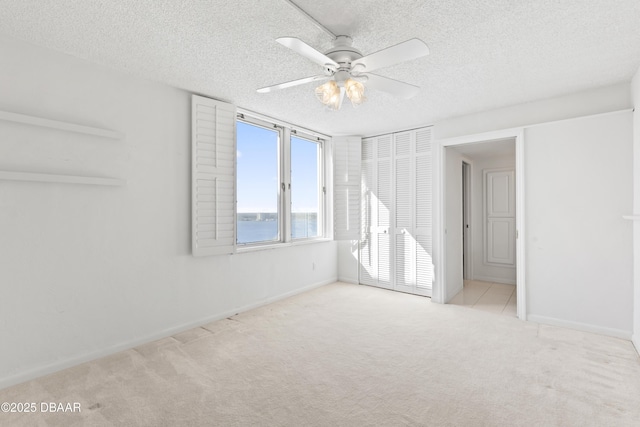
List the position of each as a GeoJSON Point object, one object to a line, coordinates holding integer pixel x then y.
{"type": "Point", "coordinates": [484, 53]}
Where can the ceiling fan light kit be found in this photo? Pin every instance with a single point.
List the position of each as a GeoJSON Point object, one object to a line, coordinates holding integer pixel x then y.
{"type": "Point", "coordinates": [332, 93]}
{"type": "Point", "coordinates": [347, 71]}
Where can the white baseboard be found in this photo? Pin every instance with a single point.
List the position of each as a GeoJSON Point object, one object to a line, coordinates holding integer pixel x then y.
{"type": "Point", "coordinates": [349, 280]}
{"type": "Point", "coordinates": [585, 327]}
{"type": "Point", "coordinates": [635, 339]}
{"type": "Point", "coordinates": [494, 279]}
{"type": "Point", "coordinates": [87, 357]}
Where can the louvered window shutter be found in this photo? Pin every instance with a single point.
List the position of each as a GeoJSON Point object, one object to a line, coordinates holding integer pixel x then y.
{"type": "Point", "coordinates": [346, 180]}
{"type": "Point", "coordinates": [213, 172]}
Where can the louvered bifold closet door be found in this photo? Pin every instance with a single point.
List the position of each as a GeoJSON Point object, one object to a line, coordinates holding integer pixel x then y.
{"type": "Point", "coordinates": [385, 204]}
{"type": "Point", "coordinates": [347, 192]}
{"type": "Point", "coordinates": [423, 211]}
{"type": "Point", "coordinates": [368, 212]}
{"type": "Point", "coordinates": [396, 243]}
{"type": "Point", "coordinates": [213, 147]}
{"type": "Point", "coordinates": [403, 230]}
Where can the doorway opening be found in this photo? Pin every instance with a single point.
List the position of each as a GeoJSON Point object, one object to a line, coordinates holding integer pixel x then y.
{"type": "Point", "coordinates": [478, 222]}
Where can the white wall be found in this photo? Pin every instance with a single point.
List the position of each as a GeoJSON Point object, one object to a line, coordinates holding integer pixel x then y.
{"type": "Point", "coordinates": [566, 301]}
{"type": "Point", "coordinates": [573, 229]}
{"type": "Point", "coordinates": [88, 270]}
{"type": "Point", "coordinates": [579, 247]}
{"type": "Point", "coordinates": [636, 207]}
{"type": "Point", "coordinates": [481, 270]}
{"type": "Point", "coordinates": [453, 222]}
{"type": "Point", "coordinates": [594, 101]}
{"type": "Point", "coordinates": [348, 261]}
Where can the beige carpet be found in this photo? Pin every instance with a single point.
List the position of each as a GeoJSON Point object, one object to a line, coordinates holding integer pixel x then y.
{"type": "Point", "coordinates": [346, 355]}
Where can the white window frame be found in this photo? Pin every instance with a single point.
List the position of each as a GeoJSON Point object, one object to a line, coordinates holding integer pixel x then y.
{"type": "Point", "coordinates": [322, 189]}
{"type": "Point", "coordinates": [281, 194]}
{"type": "Point", "coordinates": [284, 189]}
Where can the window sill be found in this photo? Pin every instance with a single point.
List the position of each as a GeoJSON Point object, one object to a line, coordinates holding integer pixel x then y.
{"type": "Point", "coordinates": [254, 248]}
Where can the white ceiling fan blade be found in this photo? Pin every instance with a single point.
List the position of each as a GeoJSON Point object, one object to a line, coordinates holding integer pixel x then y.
{"type": "Point", "coordinates": [293, 83]}
{"type": "Point", "coordinates": [394, 87]}
{"type": "Point", "coordinates": [305, 50]}
{"type": "Point", "coordinates": [405, 51]}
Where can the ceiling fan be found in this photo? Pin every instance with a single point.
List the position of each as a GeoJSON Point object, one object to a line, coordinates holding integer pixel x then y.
{"type": "Point", "coordinates": [346, 71]}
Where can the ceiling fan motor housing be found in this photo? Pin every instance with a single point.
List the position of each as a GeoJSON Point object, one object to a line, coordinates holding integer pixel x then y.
{"type": "Point", "coordinates": [344, 54]}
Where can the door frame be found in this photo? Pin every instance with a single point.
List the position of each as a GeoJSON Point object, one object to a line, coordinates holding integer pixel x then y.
{"type": "Point", "coordinates": [440, 291]}
{"type": "Point", "coordinates": [467, 213]}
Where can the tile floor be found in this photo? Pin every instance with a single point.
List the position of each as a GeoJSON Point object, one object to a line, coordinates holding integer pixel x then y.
{"type": "Point", "coordinates": [492, 297]}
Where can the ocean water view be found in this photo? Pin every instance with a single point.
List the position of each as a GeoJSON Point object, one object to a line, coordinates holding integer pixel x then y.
{"type": "Point", "coordinates": [263, 226]}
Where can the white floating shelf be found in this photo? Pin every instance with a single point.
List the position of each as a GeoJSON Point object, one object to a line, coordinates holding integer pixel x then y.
{"type": "Point", "coordinates": [65, 179]}
{"type": "Point", "coordinates": [54, 124]}
{"type": "Point", "coordinates": [632, 217]}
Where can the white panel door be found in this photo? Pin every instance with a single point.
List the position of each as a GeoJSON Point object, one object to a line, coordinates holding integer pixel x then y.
{"type": "Point", "coordinates": [501, 241]}
{"type": "Point", "coordinates": [500, 213]}
{"type": "Point", "coordinates": [500, 186]}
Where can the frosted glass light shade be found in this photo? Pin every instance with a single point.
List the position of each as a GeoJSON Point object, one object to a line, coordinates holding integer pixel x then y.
{"type": "Point", "coordinates": [355, 92]}
{"type": "Point", "coordinates": [328, 93]}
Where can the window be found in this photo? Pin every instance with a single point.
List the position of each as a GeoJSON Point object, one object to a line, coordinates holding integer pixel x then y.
{"type": "Point", "coordinates": [280, 184]}
{"type": "Point", "coordinates": [306, 194]}
{"type": "Point", "coordinates": [257, 183]}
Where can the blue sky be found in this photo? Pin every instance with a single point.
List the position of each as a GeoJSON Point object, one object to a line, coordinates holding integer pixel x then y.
{"type": "Point", "coordinates": [304, 175]}
{"type": "Point", "coordinates": [258, 171]}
